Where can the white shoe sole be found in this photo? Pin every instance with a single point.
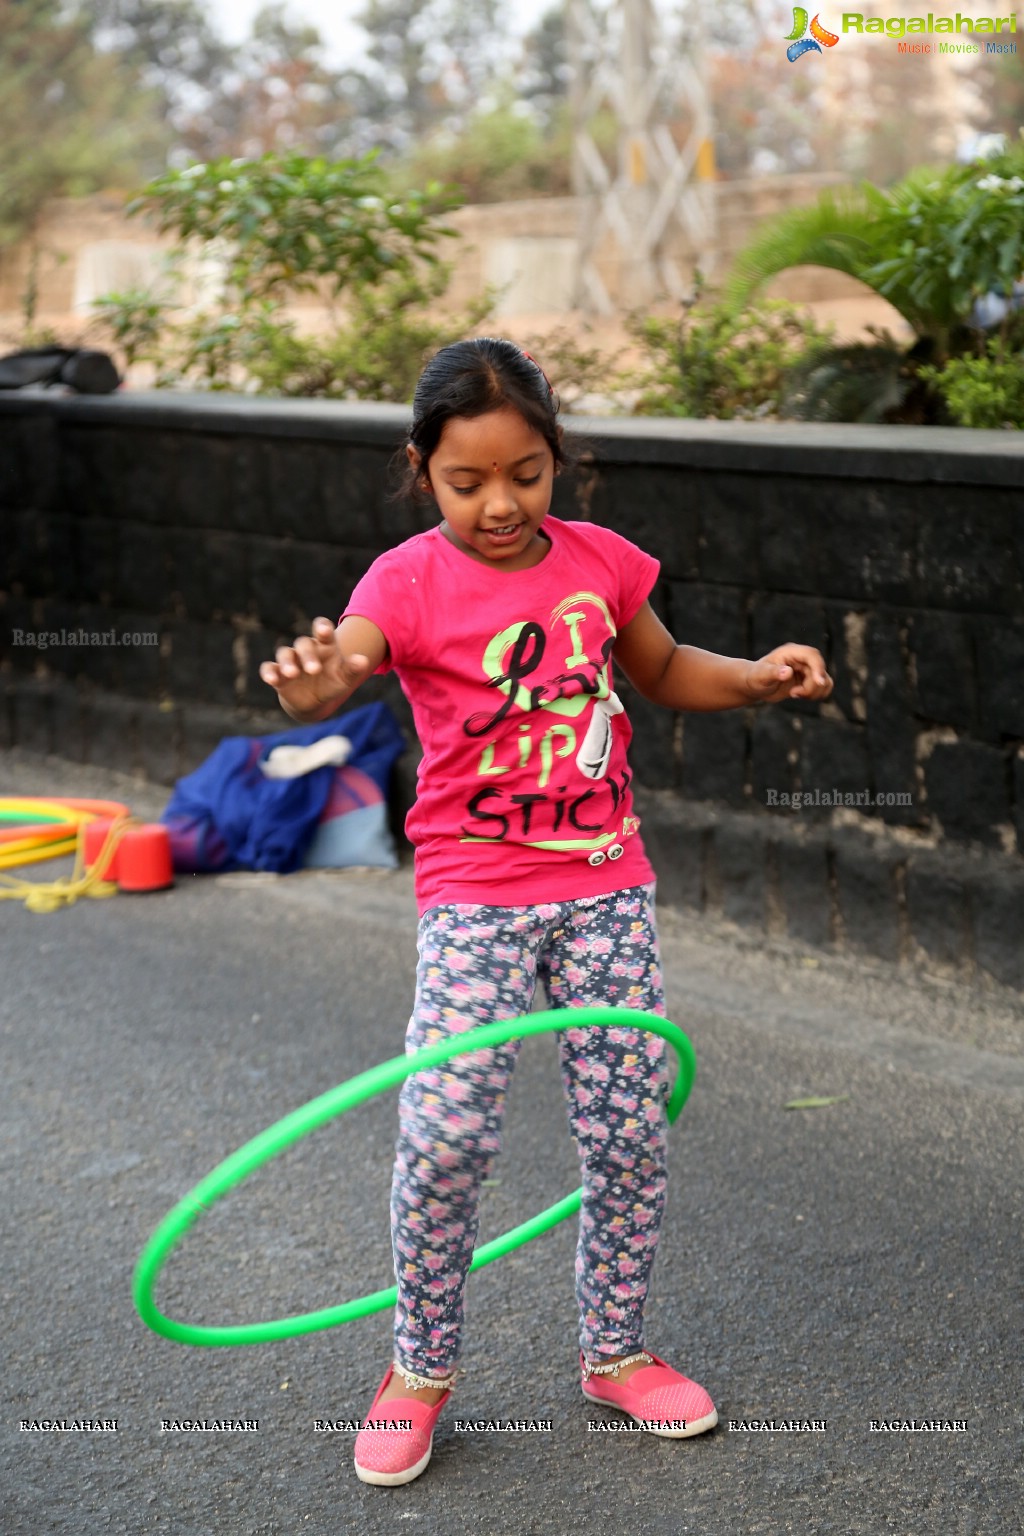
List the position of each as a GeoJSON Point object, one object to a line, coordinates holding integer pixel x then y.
{"type": "Point", "coordinates": [693, 1426]}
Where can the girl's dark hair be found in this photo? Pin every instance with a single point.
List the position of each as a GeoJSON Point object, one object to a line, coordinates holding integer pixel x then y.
{"type": "Point", "coordinates": [470, 378]}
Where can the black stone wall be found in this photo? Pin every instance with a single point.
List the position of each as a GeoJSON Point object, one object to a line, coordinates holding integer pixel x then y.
{"type": "Point", "coordinates": [220, 526]}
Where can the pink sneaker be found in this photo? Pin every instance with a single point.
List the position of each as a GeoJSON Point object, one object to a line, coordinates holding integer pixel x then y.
{"type": "Point", "coordinates": [656, 1396]}
{"type": "Point", "coordinates": [396, 1439]}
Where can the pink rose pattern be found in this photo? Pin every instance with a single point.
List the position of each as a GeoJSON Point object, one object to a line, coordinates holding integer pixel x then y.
{"type": "Point", "coordinates": [480, 963]}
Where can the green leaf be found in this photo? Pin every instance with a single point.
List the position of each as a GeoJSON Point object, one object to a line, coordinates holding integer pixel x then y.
{"type": "Point", "coordinates": [816, 1103]}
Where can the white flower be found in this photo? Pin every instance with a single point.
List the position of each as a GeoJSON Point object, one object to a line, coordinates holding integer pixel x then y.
{"type": "Point", "coordinates": [997, 183]}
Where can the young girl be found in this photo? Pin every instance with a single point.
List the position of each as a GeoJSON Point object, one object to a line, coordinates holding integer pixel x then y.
{"type": "Point", "coordinates": [503, 625]}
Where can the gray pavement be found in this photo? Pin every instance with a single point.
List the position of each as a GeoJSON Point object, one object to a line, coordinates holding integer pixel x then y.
{"type": "Point", "coordinates": [851, 1264]}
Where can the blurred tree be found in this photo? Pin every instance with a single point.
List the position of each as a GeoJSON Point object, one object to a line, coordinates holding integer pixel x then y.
{"type": "Point", "coordinates": [171, 43]}
{"type": "Point", "coordinates": [499, 154]}
{"type": "Point", "coordinates": [432, 63]}
{"type": "Point", "coordinates": [543, 73]}
{"type": "Point", "coordinates": [278, 94]}
{"type": "Point", "coordinates": [72, 118]}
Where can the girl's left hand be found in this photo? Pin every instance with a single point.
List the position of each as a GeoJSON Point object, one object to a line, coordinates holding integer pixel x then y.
{"type": "Point", "coordinates": [788, 672]}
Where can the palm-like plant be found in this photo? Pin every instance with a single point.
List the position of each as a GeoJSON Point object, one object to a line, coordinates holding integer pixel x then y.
{"type": "Point", "coordinates": [931, 245]}
{"type": "Point", "coordinates": [874, 236]}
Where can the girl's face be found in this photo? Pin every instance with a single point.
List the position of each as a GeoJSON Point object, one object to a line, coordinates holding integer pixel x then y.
{"type": "Point", "coordinates": [492, 477]}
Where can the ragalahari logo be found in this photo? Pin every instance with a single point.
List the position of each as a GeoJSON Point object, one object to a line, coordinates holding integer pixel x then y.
{"type": "Point", "coordinates": [800, 43]}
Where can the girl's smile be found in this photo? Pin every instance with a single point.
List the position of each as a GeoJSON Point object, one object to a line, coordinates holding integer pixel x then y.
{"type": "Point", "coordinates": [492, 478]}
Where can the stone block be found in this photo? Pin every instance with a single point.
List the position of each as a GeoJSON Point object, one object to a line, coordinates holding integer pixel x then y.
{"type": "Point", "coordinates": [714, 758]}
{"type": "Point", "coordinates": [60, 535]}
{"type": "Point", "coordinates": [16, 489]}
{"type": "Point", "coordinates": [999, 648]}
{"type": "Point", "coordinates": [660, 520]}
{"type": "Point", "coordinates": [94, 470]}
{"type": "Point", "coordinates": [40, 438]}
{"type": "Point", "coordinates": [868, 896]}
{"type": "Point", "coordinates": [96, 558]}
{"type": "Point", "coordinates": [833, 759]}
{"type": "Point", "coordinates": [39, 553]}
{"type": "Point", "coordinates": [319, 580]}
{"type": "Point", "coordinates": [709, 617]}
{"type": "Point", "coordinates": [156, 470]}
{"type": "Point", "coordinates": [198, 663]}
{"type": "Point", "coordinates": [97, 660]}
{"type": "Point", "coordinates": [865, 538]}
{"type": "Point", "coordinates": [727, 527]}
{"type": "Point", "coordinates": [677, 853]}
{"type": "Point", "coordinates": [891, 735]}
{"type": "Point", "coordinates": [966, 554]}
{"type": "Point", "coordinates": [944, 688]}
{"type": "Point", "coordinates": [113, 740]}
{"type": "Point", "coordinates": [938, 909]}
{"type": "Point", "coordinates": [203, 481]}
{"type": "Point", "coordinates": [741, 866]}
{"type": "Point", "coordinates": [71, 714]}
{"type": "Point", "coordinates": [142, 581]}
{"type": "Point", "coordinates": [775, 753]}
{"type": "Point", "coordinates": [249, 509]}
{"type": "Point", "coordinates": [16, 547]}
{"type": "Point", "coordinates": [270, 584]}
{"type": "Point", "coordinates": [997, 922]}
{"type": "Point", "coordinates": [790, 533]}
{"type": "Point", "coordinates": [845, 689]}
{"type": "Point", "coordinates": [33, 715]}
{"type": "Point", "coordinates": [159, 742]}
{"type": "Point", "coordinates": [140, 664]}
{"type": "Point", "coordinates": [804, 886]}
{"type": "Point", "coordinates": [203, 727]}
{"type": "Point", "coordinates": [18, 632]}
{"type": "Point", "coordinates": [356, 500]}
{"type": "Point", "coordinates": [224, 587]}
{"type": "Point", "coordinates": [296, 496]}
{"type": "Point", "coordinates": [968, 789]}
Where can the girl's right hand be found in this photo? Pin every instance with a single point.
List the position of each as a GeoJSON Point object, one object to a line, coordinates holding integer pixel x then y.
{"type": "Point", "coordinates": [315, 676]}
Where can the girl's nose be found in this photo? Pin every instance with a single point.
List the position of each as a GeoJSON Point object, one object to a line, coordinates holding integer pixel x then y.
{"type": "Point", "coordinates": [501, 498]}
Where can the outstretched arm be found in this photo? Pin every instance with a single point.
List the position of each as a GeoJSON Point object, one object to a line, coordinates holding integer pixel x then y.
{"type": "Point", "coordinates": [684, 677]}
{"type": "Point", "coordinates": [316, 675]}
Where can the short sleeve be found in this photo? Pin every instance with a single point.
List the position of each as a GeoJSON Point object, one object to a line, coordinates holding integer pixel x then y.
{"type": "Point", "coordinates": [382, 597]}
{"type": "Point", "coordinates": [636, 571]}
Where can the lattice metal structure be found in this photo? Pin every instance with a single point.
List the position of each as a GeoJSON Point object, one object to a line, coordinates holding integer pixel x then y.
{"type": "Point", "coordinates": [643, 153]}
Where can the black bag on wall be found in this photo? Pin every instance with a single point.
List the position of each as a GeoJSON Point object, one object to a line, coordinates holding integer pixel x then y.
{"type": "Point", "coordinates": [88, 372]}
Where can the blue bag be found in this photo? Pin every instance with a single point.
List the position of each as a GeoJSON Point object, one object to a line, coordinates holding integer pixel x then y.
{"type": "Point", "coordinates": [228, 815]}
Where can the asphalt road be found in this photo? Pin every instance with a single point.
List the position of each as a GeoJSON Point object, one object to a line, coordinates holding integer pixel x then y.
{"type": "Point", "coordinates": [855, 1263]}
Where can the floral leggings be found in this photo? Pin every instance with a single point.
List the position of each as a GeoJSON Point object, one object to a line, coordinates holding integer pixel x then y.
{"type": "Point", "coordinates": [479, 963]}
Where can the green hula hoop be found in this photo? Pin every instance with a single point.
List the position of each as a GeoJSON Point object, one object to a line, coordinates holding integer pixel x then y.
{"type": "Point", "coordinates": [336, 1102]}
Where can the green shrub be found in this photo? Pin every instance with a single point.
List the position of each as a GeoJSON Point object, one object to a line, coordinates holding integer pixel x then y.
{"type": "Point", "coordinates": [982, 391]}
{"type": "Point", "coordinates": [279, 226]}
{"type": "Point", "coordinates": [378, 352]}
{"type": "Point", "coordinates": [722, 360]}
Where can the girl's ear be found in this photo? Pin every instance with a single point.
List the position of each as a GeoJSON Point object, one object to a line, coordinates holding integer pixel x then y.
{"type": "Point", "coordinates": [415, 460]}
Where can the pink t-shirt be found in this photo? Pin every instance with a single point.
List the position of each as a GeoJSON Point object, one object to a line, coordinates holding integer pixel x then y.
{"type": "Point", "coordinates": [523, 790]}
